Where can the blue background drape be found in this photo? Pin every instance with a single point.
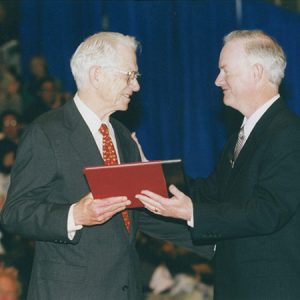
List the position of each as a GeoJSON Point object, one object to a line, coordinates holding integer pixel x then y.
{"type": "Point", "coordinates": [179, 112]}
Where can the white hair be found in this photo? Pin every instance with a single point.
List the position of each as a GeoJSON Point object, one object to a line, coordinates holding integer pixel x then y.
{"type": "Point", "coordinates": [98, 49]}
{"type": "Point", "coordinates": [263, 49]}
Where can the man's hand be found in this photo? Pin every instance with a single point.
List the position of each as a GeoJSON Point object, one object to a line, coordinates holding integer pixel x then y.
{"type": "Point", "coordinates": [179, 206]}
{"type": "Point", "coordinates": [89, 211]}
{"type": "Point", "coordinates": [134, 137]}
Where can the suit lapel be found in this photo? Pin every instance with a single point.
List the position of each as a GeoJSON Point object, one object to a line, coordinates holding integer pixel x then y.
{"type": "Point", "coordinates": [81, 137]}
{"type": "Point", "coordinates": [257, 135]}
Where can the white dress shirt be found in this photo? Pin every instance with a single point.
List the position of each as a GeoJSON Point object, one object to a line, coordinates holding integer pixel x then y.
{"type": "Point", "coordinates": [250, 123]}
{"type": "Point", "coordinates": [93, 122]}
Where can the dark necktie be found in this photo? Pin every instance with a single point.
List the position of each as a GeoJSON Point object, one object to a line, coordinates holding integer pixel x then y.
{"type": "Point", "coordinates": [110, 158]}
{"type": "Point", "coordinates": [239, 144]}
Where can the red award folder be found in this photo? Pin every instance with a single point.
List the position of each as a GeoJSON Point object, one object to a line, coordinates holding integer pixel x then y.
{"type": "Point", "coordinates": [130, 179]}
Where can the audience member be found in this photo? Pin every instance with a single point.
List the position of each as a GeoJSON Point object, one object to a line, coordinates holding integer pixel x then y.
{"type": "Point", "coordinates": [38, 71]}
{"type": "Point", "coordinates": [10, 127]}
{"type": "Point", "coordinates": [7, 157]}
{"type": "Point", "coordinates": [14, 97]}
{"type": "Point", "coordinates": [10, 131]}
{"type": "Point", "coordinates": [47, 97]}
{"type": "Point", "coordinates": [10, 286]}
{"type": "Point", "coordinates": [5, 79]}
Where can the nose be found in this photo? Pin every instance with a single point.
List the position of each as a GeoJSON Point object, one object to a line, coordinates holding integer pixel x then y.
{"type": "Point", "coordinates": [135, 85]}
{"type": "Point", "coordinates": [219, 80]}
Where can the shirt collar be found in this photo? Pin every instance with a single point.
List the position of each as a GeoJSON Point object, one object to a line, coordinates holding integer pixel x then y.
{"type": "Point", "coordinates": [90, 118]}
{"type": "Point", "coordinates": [254, 118]}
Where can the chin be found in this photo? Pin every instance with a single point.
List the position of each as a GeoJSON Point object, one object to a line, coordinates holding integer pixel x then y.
{"type": "Point", "coordinates": [227, 101]}
{"type": "Point", "coordinates": [122, 104]}
{"type": "Point", "coordinates": [125, 103]}
{"type": "Point", "coordinates": [123, 107]}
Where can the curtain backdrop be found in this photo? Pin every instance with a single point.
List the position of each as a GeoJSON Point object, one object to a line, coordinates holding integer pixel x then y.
{"type": "Point", "coordinates": [179, 112]}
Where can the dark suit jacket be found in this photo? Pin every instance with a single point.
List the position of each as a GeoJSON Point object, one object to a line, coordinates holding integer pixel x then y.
{"type": "Point", "coordinates": [252, 212]}
{"type": "Point", "coordinates": [101, 261]}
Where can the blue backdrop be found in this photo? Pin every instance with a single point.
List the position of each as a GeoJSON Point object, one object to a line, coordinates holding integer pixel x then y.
{"type": "Point", "coordinates": [179, 112]}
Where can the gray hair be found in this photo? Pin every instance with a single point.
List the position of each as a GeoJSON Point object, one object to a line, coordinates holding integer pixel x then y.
{"type": "Point", "coordinates": [98, 49]}
{"type": "Point", "coordinates": [263, 49]}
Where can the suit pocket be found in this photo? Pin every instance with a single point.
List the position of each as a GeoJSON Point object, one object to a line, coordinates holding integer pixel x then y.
{"type": "Point", "coordinates": [56, 271]}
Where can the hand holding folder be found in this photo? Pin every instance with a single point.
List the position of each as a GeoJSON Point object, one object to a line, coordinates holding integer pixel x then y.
{"type": "Point", "coordinates": [130, 179]}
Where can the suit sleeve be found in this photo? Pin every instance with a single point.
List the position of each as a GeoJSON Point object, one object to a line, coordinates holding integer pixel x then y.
{"type": "Point", "coordinates": [173, 230]}
{"type": "Point", "coordinates": [27, 210]}
{"type": "Point", "coordinates": [267, 205]}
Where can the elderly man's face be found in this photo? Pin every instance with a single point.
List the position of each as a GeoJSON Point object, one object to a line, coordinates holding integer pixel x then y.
{"type": "Point", "coordinates": [236, 76]}
{"type": "Point", "coordinates": [117, 87]}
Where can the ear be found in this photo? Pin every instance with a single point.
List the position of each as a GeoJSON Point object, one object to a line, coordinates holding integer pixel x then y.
{"type": "Point", "coordinates": [95, 75]}
{"type": "Point", "coordinates": [258, 72]}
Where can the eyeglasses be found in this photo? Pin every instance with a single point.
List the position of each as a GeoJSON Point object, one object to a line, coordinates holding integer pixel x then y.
{"type": "Point", "coordinates": [10, 123]}
{"type": "Point", "coordinates": [131, 75]}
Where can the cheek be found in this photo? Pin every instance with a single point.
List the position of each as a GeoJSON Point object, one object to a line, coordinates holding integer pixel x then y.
{"type": "Point", "coordinates": [118, 86]}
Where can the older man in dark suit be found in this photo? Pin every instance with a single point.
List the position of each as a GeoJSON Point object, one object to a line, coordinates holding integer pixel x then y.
{"type": "Point", "coordinates": [85, 247]}
{"type": "Point", "coordinates": [250, 206]}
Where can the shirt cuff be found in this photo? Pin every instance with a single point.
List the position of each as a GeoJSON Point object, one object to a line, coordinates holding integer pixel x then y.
{"type": "Point", "coordinates": [72, 227]}
{"type": "Point", "coordinates": [191, 221]}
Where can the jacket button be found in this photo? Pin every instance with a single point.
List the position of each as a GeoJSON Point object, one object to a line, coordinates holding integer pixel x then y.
{"type": "Point", "coordinates": [124, 288]}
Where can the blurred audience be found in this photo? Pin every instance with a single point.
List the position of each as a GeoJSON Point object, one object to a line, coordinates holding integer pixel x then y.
{"type": "Point", "coordinates": [6, 78]}
{"type": "Point", "coordinates": [14, 250]}
{"type": "Point", "coordinates": [9, 19]}
{"type": "Point", "coordinates": [10, 134]}
{"type": "Point", "coordinates": [38, 70]}
{"type": "Point", "coordinates": [47, 97]}
{"type": "Point", "coordinates": [173, 273]}
{"type": "Point", "coordinates": [10, 286]}
{"type": "Point", "coordinates": [10, 126]}
{"type": "Point", "coordinates": [14, 97]}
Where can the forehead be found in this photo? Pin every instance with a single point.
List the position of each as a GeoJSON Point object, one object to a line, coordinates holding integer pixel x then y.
{"type": "Point", "coordinates": [47, 85]}
{"type": "Point", "coordinates": [127, 56]}
{"type": "Point", "coordinates": [233, 52]}
{"type": "Point", "coordinates": [9, 117]}
{"type": "Point", "coordinates": [37, 61]}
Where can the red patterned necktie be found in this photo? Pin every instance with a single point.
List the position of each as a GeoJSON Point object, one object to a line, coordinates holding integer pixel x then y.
{"type": "Point", "coordinates": [110, 158]}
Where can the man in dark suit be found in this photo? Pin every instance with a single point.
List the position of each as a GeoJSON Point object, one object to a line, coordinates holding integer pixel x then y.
{"type": "Point", "coordinates": [83, 249]}
{"type": "Point", "coordinates": [250, 206]}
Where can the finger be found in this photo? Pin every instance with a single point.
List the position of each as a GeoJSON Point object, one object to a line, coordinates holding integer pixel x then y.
{"type": "Point", "coordinates": [89, 195]}
{"type": "Point", "coordinates": [153, 196]}
{"type": "Point", "coordinates": [146, 200]}
{"type": "Point", "coordinates": [175, 191]}
{"type": "Point", "coordinates": [112, 201]}
{"type": "Point", "coordinates": [153, 209]}
{"type": "Point", "coordinates": [153, 206]}
{"type": "Point", "coordinates": [105, 216]}
{"type": "Point", "coordinates": [111, 209]}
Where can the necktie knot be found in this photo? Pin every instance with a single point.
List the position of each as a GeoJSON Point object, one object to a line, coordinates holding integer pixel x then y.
{"type": "Point", "coordinates": [104, 130]}
{"type": "Point", "coordinates": [109, 153]}
{"type": "Point", "coordinates": [241, 133]}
